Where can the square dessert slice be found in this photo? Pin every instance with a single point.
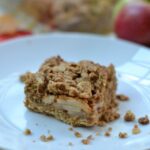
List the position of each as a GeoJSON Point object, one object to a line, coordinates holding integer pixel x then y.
{"type": "Point", "coordinates": [80, 94]}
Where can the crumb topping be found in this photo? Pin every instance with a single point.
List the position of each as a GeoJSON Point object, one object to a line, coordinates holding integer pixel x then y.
{"type": "Point", "coordinates": [83, 80]}
{"type": "Point", "coordinates": [129, 116]}
{"type": "Point", "coordinates": [84, 85]}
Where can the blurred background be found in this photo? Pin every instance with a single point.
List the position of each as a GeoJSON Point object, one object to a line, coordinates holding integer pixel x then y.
{"type": "Point", "coordinates": [126, 19]}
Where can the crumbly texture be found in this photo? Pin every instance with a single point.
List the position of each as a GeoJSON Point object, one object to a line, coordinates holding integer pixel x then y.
{"type": "Point", "coordinates": [27, 132]}
{"type": "Point", "coordinates": [122, 97]}
{"type": "Point", "coordinates": [144, 120]}
{"type": "Point", "coordinates": [136, 130]}
{"type": "Point", "coordinates": [129, 116]}
{"type": "Point", "coordinates": [123, 135]}
{"type": "Point", "coordinates": [80, 94]}
{"type": "Point", "coordinates": [48, 138]}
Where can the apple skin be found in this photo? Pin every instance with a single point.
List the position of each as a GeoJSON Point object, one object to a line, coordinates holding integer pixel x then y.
{"type": "Point", "coordinates": [133, 23]}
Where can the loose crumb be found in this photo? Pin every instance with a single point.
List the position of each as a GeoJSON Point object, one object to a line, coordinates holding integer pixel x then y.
{"type": "Point", "coordinates": [107, 134]}
{"type": "Point", "coordinates": [97, 133]}
{"type": "Point", "coordinates": [136, 130]}
{"type": "Point", "coordinates": [86, 141]}
{"type": "Point", "coordinates": [78, 134]}
{"type": "Point", "coordinates": [27, 132]}
{"type": "Point", "coordinates": [71, 129]}
{"type": "Point", "coordinates": [123, 135]}
{"type": "Point", "coordinates": [109, 129]}
{"type": "Point", "coordinates": [70, 144]}
{"type": "Point", "coordinates": [90, 137]}
{"type": "Point", "coordinates": [50, 138]}
{"type": "Point", "coordinates": [122, 97]}
{"type": "Point", "coordinates": [144, 120]}
{"type": "Point", "coordinates": [129, 116]}
{"type": "Point", "coordinates": [46, 139]}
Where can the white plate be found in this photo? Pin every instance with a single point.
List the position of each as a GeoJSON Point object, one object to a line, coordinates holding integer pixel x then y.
{"type": "Point", "coordinates": [18, 56]}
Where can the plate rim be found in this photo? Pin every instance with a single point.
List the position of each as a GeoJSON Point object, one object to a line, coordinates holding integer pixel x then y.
{"type": "Point", "coordinates": [71, 35]}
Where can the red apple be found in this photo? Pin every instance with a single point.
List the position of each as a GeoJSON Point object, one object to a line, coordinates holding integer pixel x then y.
{"type": "Point", "coordinates": [133, 22]}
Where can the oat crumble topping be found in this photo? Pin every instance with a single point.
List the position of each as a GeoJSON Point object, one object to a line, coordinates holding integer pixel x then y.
{"type": "Point", "coordinates": [90, 137]}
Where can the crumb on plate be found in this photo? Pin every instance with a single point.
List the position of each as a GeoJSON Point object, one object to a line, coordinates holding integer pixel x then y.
{"type": "Point", "coordinates": [129, 116]}
{"type": "Point", "coordinates": [144, 120]}
{"type": "Point", "coordinates": [48, 138]}
{"type": "Point", "coordinates": [122, 97]}
{"type": "Point", "coordinates": [123, 135]}
{"type": "Point", "coordinates": [136, 130]}
{"type": "Point", "coordinates": [86, 141]}
{"type": "Point", "coordinates": [97, 133]}
{"type": "Point", "coordinates": [107, 134]}
{"type": "Point", "coordinates": [70, 144]}
{"type": "Point", "coordinates": [27, 132]}
{"type": "Point", "coordinates": [109, 129]}
{"type": "Point", "coordinates": [78, 134]}
{"type": "Point", "coordinates": [71, 129]}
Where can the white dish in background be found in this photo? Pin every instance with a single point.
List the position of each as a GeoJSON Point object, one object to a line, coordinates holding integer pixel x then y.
{"type": "Point", "coordinates": [18, 56]}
